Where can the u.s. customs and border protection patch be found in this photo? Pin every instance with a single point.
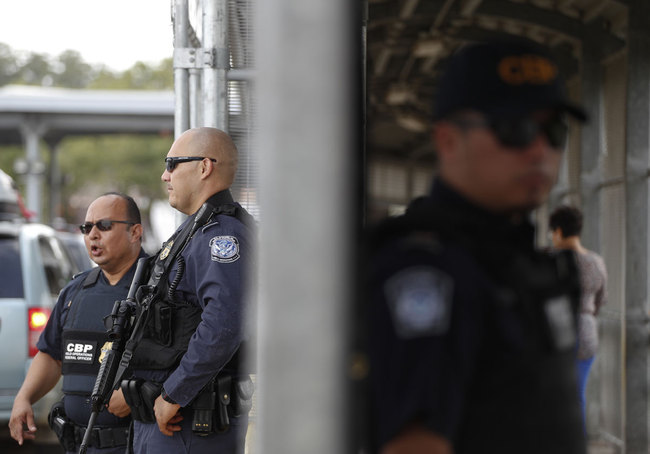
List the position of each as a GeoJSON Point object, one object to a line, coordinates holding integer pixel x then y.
{"type": "Point", "coordinates": [224, 249]}
{"type": "Point", "coordinates": [419, 299]}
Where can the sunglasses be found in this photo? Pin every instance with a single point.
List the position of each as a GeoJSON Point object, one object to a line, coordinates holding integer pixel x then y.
{"type": "Point", "coordinates": [521, 132]}
{"type": "Point", "coordinates": [103, 225]}
{"type": "Point", "coordinates": [172, 162]}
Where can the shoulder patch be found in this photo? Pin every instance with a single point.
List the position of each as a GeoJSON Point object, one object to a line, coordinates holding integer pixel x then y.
{"type": "Point", "coordinates": [224, 249]}
{"type": "Point", "coordinates": [560, 319]}
{"type": "Point", "coordinates": [419, 299]}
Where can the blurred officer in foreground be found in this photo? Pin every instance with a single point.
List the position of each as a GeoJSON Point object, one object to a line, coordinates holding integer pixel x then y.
{"type": "Point", "coordinates": [72, 341]}
{"type": "Point", "coordinates": [191, 354]}
{"type": "Point", "coordinates": [472, 331]}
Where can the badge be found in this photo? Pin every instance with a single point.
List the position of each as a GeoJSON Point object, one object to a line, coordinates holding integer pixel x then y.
{"type": "Point", "coordinates": [420, 300]}
{"type": "Point", "coordinates": [224, 249]}
{"type": "Point", "coordinates": [107, 346]}
{"type": "Point", "coordinates": [165, 252]}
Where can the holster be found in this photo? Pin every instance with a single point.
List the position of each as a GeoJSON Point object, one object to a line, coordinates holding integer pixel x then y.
{"type": "Point", "coordinates": [241, 400]}
{"type": "Point", "coordinates": [140, 395]}
{"type": "Point", "coordinates": [222, 398]}
{"type": "Point", "coordinates": [62, 426]}
{"type": "Point", "coordinates": [210, 407]}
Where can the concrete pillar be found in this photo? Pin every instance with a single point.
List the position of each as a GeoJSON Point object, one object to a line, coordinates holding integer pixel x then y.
{"type": "Point", "coordinates": [307, 121]}
{"type": "Point", "coordinates": [32, 130]}
{"type": "Point", "coordinates": [592, 149]}
{"type": "Point", "coordinates": [636, 229]}
{"type": "Point", "coordinates": [56, 182]}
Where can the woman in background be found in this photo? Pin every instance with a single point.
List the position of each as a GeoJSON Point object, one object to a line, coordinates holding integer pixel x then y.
{"type": "Point", "coordinates": [566, 225]}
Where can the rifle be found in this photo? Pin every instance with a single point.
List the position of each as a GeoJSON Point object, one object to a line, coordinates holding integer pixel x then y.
{"type": "Point", "coordinates": [122, 317]}
{"type": "Point", "coordinates": [128, 319]}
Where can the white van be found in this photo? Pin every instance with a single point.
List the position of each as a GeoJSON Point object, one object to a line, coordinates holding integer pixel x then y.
{"type": "Point", "coordinates": [34, 267]}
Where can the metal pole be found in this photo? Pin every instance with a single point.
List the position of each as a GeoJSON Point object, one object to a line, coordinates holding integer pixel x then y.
{"type": "Point", "coordinates": [307, 123]}
{"type": "Point", "coordinates": [181, 85]}
{"type": "Point", "coordinates": [637, 199]}
{"type": "Point", "coordinates": [592, 143]}
{"type": "Point", "coordinates": [196, 98]}
{"type": "Point", "coordinates": [215, 88]}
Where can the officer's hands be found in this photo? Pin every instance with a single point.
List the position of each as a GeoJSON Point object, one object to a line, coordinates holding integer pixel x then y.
{"type": "Point", "coordinates": [21, 415]}
{"type": "Point", "coordinates": [117, 405]}
{"type": "Point", "coordinates": [167, 416]}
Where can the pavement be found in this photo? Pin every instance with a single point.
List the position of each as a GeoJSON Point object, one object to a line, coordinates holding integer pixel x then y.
{"type": "Point", "coordinates": [51, 446]}
{"type": "Point", "coordinates": [46, 444]}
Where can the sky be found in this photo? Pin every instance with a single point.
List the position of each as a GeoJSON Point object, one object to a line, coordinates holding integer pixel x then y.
{"type": "Point", "coordinates": [117, 33]}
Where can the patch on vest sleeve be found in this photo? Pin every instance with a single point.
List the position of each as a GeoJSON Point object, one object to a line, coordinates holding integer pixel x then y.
{"type": "Point", "coordinates": [560, 321]}
{"type": "Point", "coordinates": [224, 249]}
{"type": "Point", "coordinates": [420, 300]}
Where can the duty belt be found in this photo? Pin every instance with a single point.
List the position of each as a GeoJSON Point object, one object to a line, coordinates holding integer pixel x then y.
{"type": "Point", "coordinates": [103, 437]}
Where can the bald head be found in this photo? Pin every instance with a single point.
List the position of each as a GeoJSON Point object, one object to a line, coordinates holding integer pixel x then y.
{"type": "Point", "coordinates": [192, 182]}
{"type": "Point", "coordinates": [216, 144]}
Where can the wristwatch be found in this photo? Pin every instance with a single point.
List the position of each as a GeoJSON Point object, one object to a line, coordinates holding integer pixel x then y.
{"type": "Point", "coordinates": [166, 397]}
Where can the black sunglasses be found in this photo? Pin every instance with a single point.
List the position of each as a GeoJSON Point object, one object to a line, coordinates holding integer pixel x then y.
{"type": "Point", "coordinates": [171, 163]}
{"type": "Point", "coordinates": [104, 225]}
{"type": "Point", "coordinates": [522, 131]}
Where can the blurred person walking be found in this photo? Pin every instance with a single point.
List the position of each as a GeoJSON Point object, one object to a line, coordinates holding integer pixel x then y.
{"type": "Point", "coordinates": [565, 224]}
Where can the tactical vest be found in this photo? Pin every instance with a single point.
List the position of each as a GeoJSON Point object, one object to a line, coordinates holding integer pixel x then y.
{"type": "Point", "coordinates": [84, 334]}
{"type": "Point", "coordinates": [172, 322]}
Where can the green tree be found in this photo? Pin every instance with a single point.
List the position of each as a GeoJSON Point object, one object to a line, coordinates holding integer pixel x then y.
{"type": "Point", "coordinates": [73, 71]}
{"type": "Point", "coordinates": [37, 70]}
{"type": "Point", "coordinates": [8, 65]}
{"type": "Point", "coordinates": [144, 77]}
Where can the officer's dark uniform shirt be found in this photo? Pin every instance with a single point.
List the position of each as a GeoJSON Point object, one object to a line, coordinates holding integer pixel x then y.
{"type": "Point", "coordinates": [75, 334]}
{"type": "Point", "coordinates": [216, 261]}
{"type": "Point", "coordinates": [472, 333]}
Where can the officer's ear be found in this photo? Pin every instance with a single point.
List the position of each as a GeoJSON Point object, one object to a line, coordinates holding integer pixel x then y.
{"type": "Point", "coordinates": [445, 139]}
{"type": "Point", "coordinates": [207, 168]}
{"type": "Point", "coordinates": [136, 232]}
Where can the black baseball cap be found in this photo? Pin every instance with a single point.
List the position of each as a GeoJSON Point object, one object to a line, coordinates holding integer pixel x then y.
{"type": "Point", "coordinates": [502, 79]}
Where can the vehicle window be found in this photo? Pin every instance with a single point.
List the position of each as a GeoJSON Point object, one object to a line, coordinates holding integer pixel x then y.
{"type": "Point", "coordinates": [55, 263]}
{"type": "Point", "coordinates": [11, 276]}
